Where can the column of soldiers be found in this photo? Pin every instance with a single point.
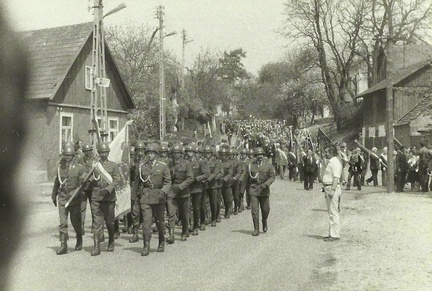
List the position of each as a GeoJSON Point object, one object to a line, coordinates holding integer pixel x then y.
{"type": "Point", "coordinates": [192, 185]}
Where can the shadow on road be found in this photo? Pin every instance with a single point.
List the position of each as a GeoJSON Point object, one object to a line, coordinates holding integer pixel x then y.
{"type": "Point", "coordinates": [320, 237]}
{"type": "Point", "coordinates": [248, 232]}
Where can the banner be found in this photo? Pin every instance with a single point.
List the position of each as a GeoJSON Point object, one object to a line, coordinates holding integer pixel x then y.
{"type": "Point", "coordinates": [120, 154]}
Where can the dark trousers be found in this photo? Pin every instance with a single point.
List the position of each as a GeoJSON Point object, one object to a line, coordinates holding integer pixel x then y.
{"type": "Point", "coordinates": [150, 212]}
{"type": "Point", "coordinates": [219, 201]}
{"type": "Point", "coordinates": [374, 177]}
{"type": "Point", "coordinates": [236, 196]}
{"type": "Point", "coordinates": [424, 179]}
{"type": "Point", "coordinates": [248, 195]}
{"type": "Point", "coordinates": [171, 208]}
{"type": "Point", "coordinates": [281, 171]}
{"type": "Point", "coordinates": [227, 196]}
{"type": "Point", "coordinates": [356, 182]}
{"type": "Point", "coordinates": [214, 203]}
{"type": "Point", "coordinates": [182, 204]}
{"type": "Point", "coordinates": [204, 207]}
{"type": "Point", "coordinates": [258, 202]}
{"type": "Point", "coordinates": [400, 181]}
{"type": "Point", "coordinates": [196, 209]}
{"type": "Point", "coordinates": [292, 173]}
{"type": "Point", "coordinates": [308, 180]}
{"type": "Point", "coordinates": [242, 189]}
{"type": "Point", "coordinates": [75, 218]}
{"type": "Point", "coordinates": [103, 211]}
{"type": "Point", "coordinates": [135, 212]}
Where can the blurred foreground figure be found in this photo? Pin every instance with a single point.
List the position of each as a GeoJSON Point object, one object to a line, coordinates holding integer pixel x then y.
{"type": "Point", "coordinates": [13, 83]}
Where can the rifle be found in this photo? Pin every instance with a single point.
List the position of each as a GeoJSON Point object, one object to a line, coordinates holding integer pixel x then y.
{"type": "Point", "coordinates": [369, 152]}
{"type": "Point", "coordinates": [80, 187]}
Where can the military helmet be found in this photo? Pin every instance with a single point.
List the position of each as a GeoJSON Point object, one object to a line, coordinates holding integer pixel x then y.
{"type": "Point", "coordinates": [153, 147]}
{"type": "Point", "coordinates": [163, 148]}
{"type": "Point", "coordinates": [68, 150]}
{"type": "Point", "coordinates": [223, 150]}
{"type": "Point", "coordinates": [178, 148]}
{"type": "Point", "coordinates": [244, 151]}
{"type": "Point", "coordinates": [207, 149]}
{"type": "Point", "coordinates": [233, 152]}
{"type": "Point", "coordinates": [139, 145]}
{"type": "Point", "coordinates": [259, 151]}
{"type": "Point", "coordinates": [68, 144]}
{"type": "Point", "coordinates": [199, 149]}
{"type": "Point", "coordinates": [87, 147]}
{"type": "Point", "coordinates": [190, 148]}
{"type": "Point", "coordinates": [103, 147]}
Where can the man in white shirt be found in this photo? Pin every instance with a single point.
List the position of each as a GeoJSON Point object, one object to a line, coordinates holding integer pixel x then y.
{"type": "Point", "coordinates": [331, 180]}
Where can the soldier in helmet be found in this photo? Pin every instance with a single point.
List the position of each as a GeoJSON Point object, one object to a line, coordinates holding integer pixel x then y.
{"type": "Point", "coordinates": [227, 181]}
{"type": "Point", "coordinates": [87, 161]}
{"type": "Point", "coordinates": [135, 204]}
{"type": "Point", "coordinates": [152, 185]}
{"type": "Point", "coordinates": [200, 172]}
{"type": "Point", "coordinates": [237, 172]}
{"type": "Point", "coordinates": [106, 178]}
{"type": "Point", "coordinates": [243, 179]}
{"type": "Point", "coordinates": [213, 185]}
{"type": "Point", "coordinates": [69, 177]}
{"type": "Point", "coordinates": [262, 175]}
{"type": "Point", "coordinates": [249, 160]}
{"type": "Point", "coordinates": [178, 195]}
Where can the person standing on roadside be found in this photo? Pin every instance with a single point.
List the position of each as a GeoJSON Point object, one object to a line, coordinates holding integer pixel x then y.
{"type": "Point", "coordinates": [383, 162]}
{"type": "Point", "coordinates": [332, 190]}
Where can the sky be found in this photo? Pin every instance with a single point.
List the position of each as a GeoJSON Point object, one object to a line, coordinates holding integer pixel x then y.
{"type": "Point", "coordinates": [217, 25]}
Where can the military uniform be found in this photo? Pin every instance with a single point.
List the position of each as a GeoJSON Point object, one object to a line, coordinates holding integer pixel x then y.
{"type": "Point", "coordinates": [237, 172]}
{"type": "Point", "coordinates": [243, 178]}
{"type": "Point", "coordinates": [103, 199]}
{"type": "Point", "coordinates": [227, 181]}
{"type": "Point", "coordinates": [69, 177]}
{"type": "Point", "coordinates": [262, 175]}
{"type": "Point", "coordinates": [424, 159]}
{"type": "Point", "coordinates": [178, 195]}
{"type": "Point", "coordinates": [213, 187]}
{"type": "Point", "coordinates": [152, 185]}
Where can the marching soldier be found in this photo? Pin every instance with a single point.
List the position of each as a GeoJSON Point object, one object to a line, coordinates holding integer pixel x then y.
{"type": "Point", "coordinates": [106, 177]}
{"type": "Point", "coordinates": [69, 177]}
{"type": "Point", "coordinates": [243, 179]}
{"type": "Point", "coordinates": [237, 172]}
{"type": "Point", "coordinates": [262, 175]}
{"type": "Point", "coordinates": [135, 204]}
{"type": "Point", "coordinates": [87, 162]}
{"type": "Point", "coordinates": [227, 180]}
{"type": "Point", "coordinates": [200, 173]}
{"type": "Point", "coordinates": [152, 185]}
{"type": "Point", "coordinates": [249, 160]}
{"type": "Point", "coordinates": [213, 186]}
{"type": "Point", "coordinates": [178, 195]}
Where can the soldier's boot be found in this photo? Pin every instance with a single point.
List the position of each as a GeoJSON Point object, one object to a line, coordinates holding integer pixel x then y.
{"type": "Point", "coordinates": [170, 239]}
{"type": "Point", "coordinates": [135, 237]}
{"type": "Point", "coordinates": [110, 247]}
{"type": "Point", "coordinates": [125, 223]}
{"type": "Point", "coordinates": [63, 246]}
{"type": "Point", "coordinates": [82, 229]}
{"type": "Point", "coordinates": [202, 226]}
{"type": "Point", "coordinates": [195, 231]}
{"type": "Point", "coordinates": [111, 236]}
{"type": "Point", "coordinates": [79, 243]}
{"type": "Point", "coordinates": [161, 246]}
{"type": "Point", "coordinates": [96, 247]}
{"type": "Point", "coordinates": [116, 229]}
{"type": "Point", "coordinates": [264, 223]}
{"type": "Point", "coordinates": [256, 227]}
{"type": "Point", "coordinates": [102, 237]}
{"type": "Point", "coordinates": [146, 248]}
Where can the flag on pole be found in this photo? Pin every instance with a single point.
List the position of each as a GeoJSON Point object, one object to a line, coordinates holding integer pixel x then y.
{"type": "Point", "coordinates": [119, 153]}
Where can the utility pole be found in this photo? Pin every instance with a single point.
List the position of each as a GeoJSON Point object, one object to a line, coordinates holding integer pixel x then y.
{"type": "Point", "coordinates": [98, 106]}
{"type": "Point", "coordinates": [162, 127]}
{"type": "Point", "coordinates": [390, 109]}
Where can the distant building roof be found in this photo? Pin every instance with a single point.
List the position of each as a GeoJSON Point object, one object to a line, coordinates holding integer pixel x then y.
{"type": "Point", "coordinates": [397, 77]}
{"type": "Point", "coordinates": [425, 106]}
{"type": "Point", "coordinates": [52, 53]}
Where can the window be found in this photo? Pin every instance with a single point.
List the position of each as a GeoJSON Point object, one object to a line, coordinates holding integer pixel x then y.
{"type": "Point", "coordinates": [113, 128]}
{"type": "Point", "coordinates": [88, 78]}
{"type": "Point", "coordinates": [66, 128]}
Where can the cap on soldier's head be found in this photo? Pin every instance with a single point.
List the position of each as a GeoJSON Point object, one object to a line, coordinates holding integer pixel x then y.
{"type": "Point", "coordinates": [68, 150]}
{"type": "Point", "coordinates": [87, 147]}
{"type": "Point", "coordinates": [103, 147]}
{"type": "Point", "coordinates": [153, 147]}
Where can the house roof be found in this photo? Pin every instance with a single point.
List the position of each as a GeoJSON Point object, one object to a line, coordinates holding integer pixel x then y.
{"type": "Point", "coordinates": [52, 53]}
{"type": "Point", "coordinates": [397, 77]}
{"type": "Point", "coordinates": [424, 106]}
